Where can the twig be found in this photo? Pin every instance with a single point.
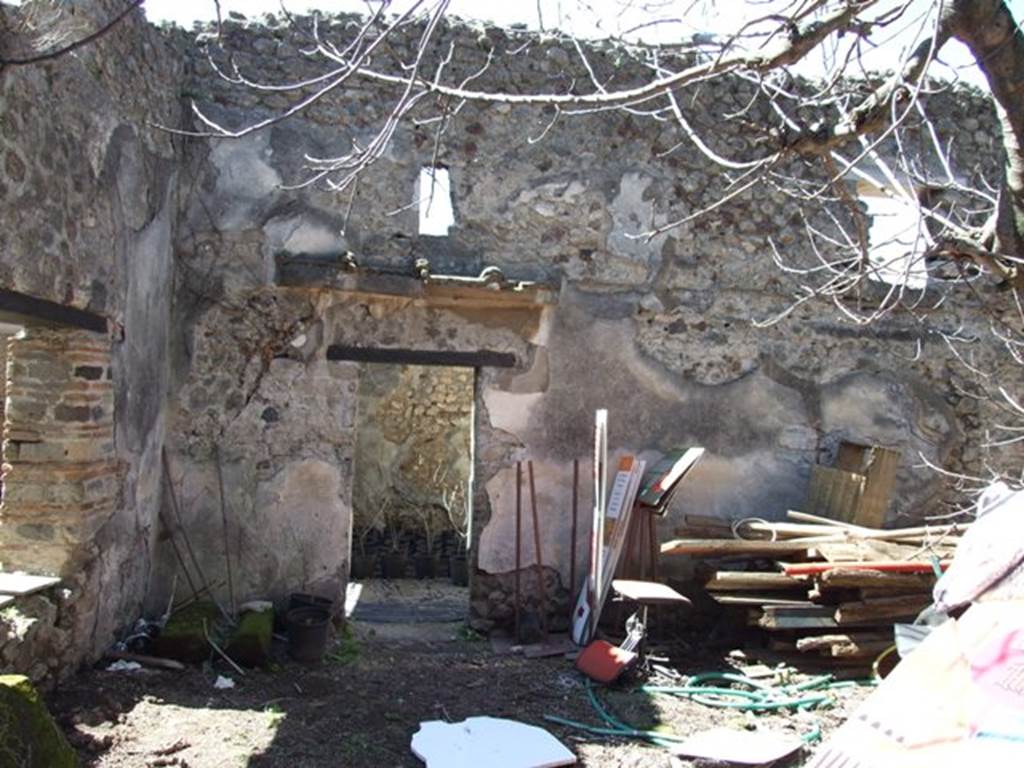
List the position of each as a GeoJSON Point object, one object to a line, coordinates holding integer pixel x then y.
{"type": "Point", "coordinates": [188, 542]}
{"type": "Point", "coordinates": [174, 545]}
{"type": "Point", "coordinates": [189, 600]}
{"type": "Point", "coordinates": [149, 661]}
{"type": "Point", "coordinates": [224, 528]}
{"type": "Point", "coordinates": [75, 45]}
{"type": "Point", "coordinates": [222, 654]}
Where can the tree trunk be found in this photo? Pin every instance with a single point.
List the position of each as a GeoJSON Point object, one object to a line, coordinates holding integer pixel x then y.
{"type": "Point", "coordinates": [987, 28]}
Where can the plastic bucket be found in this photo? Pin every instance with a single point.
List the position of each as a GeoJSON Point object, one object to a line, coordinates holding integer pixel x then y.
{"type": "Point", "coordinates": [307, 600]}
{"type": "Point", "coordinates": [307, 633]}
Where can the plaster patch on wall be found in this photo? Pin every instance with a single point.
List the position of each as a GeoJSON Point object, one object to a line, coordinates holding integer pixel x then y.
{"type": "Point", "coordinates": [497, 540]}
{"type": "Point", "coordinates": [633, 214]}
{"type": "Point", "coordinates": [245, 180]}
{"type": "Point", "coordinates": [763, 483]}
{"type": "Point", "coordinates": [548, 200]}
{"type": "Point", "coordinates": [301, 234]}
{"type": "Point", "coordinates": [868, 409]}
{"type": "Point", "coordinates": [883, 410]}
{"type": "Point", "coordinates": [299, 528]}
{"type": "Point", "coordinates": [510, 411]}
{"type": "Point", "coordinates": [536, 379]}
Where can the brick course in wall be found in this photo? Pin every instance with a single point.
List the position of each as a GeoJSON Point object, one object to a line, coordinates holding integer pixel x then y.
{"type": "Point", "coordinates": [60, 473]}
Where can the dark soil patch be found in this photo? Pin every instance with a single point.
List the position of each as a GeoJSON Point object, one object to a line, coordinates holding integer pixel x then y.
{"type": "Point", "coordinates": [363, 708]}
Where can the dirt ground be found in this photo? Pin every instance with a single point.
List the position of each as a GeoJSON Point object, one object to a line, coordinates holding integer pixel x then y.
{"type": "Point", "coordinates": [361, 706]}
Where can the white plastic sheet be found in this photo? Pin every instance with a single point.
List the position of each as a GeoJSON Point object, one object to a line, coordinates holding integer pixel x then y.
{"type": "Point", "coordinates": [992, 549]}
{"type": "Point", "coordinates": [488, 741]}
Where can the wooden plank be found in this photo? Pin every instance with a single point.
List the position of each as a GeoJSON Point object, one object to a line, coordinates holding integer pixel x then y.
{"type": "Point", "coordinates": [820, 595]}
{"type": "Point", "coordinates": [21, 308]}
{"type": "Point", "coordinates": [478, 359]}
{"type": "Point", "coordinates": [728, 746]}
{"type": "Point", "coordinates": [881, 609]}
{"type": "Point", "coordinates": [648, 592]}
{"type": "Point", "coordinates": [620, 527]}
{"type": "Point", "coordinates": [760, 600]}
{"type": "Point", "coordinates": [868, 650]}
{"type": "Point", "coordinates": [6, 600]}
{"type": "Point", "coordinates": [659, 483]}
{"type": "Point", "coordinates": [874, 503]}
{"type": "Point", "coordinates": [20, 584]}
{"type": "Point", "coordinates": [839, 552]}
{"type": "Point", "coordinates": [869, 593]}
{"type": "Point", "coordinates": [893, 566]}
{"type": "Point", "coordinates": [825, 642]}
{"type": "Point", "coordinates": [728, 581]}
{"type": "Point", "coordinates": [853, 457]}
{"type": "Point", "coordinates": [730, 547]}
{"type": "Point", "coordinates": [932, 532]}
{"type": "Point", "coordinates": [878, 466]}
{"type": "Point", "coordinates": [846, 577]}
{"type": "Point", "coordinates": [783, 617]}
{"type": "Point", "coordinates": [834, 493]}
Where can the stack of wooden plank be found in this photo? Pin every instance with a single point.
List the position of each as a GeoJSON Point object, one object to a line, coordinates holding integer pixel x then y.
{"type": "Point", "coordinates": [820, 586]}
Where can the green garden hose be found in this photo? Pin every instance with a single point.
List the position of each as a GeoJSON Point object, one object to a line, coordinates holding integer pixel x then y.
{"type": "Point", "coordinates": [756, 696]}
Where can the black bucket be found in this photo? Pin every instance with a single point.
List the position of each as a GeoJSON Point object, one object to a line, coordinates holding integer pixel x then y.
{"type": "Point", "coordinates": [307, 600]}
{"type": "Point", "coordinates": [307, 633]}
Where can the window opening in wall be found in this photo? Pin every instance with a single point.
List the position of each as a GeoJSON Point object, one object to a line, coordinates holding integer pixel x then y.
{"type": "Point", "coordinates": [411, 498]}
{"type": "Point", "coordinates": [897, 238]}
{"type": "Point", "coordinates": [435, 201]}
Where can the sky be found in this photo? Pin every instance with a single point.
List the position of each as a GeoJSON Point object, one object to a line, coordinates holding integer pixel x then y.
{"type": "Point", "coordinates": [650, 20]}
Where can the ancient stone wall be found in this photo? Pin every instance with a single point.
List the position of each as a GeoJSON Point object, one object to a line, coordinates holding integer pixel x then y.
{"type": "Point", "coordinates": [87, 212]}
{"type": "Point", "coordinates": [659, 330]}
{"type": "Point", "coordinates": [180, 244]}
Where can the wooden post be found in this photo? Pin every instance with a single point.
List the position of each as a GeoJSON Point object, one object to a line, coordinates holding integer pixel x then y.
{"type": "Point", "coordinates": [519, 547]}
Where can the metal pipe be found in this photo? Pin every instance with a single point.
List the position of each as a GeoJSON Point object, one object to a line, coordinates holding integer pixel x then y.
{"type": "Point", "coordinates": [572, 543]}
{"type": "Point", "coordinates": [519, 547]}
{"type": "Point", "coordinates": [536, 546]}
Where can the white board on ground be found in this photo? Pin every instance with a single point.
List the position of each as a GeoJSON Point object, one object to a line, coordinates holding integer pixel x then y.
{"type": "Point", "coordinates": [488, 741]}
{"type": "Point", "coordinates": [19, 583]}
{"type": "Point", "coordinates": [727, 745]}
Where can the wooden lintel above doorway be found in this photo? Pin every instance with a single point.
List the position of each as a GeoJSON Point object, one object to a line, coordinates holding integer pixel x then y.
{"type": "Point", "coordinates": [475, 359]}
{"type": "Point", "coordinates": [435, 290]}
{"type": "Point", "coordinates": [22, 309]}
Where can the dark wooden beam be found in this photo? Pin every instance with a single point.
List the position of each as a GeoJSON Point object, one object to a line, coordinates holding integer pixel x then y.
{"type": "Point", "coordinates": [27, 310]}
{"type": "Point", "coordinates": [480, 359]}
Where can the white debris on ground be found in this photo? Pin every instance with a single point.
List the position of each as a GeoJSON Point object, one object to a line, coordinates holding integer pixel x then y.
{"type": "Point", "coordinates": [124, 666]}
{"type": "Point", "coordinates": [223, 683]}
{"type": "Point", "coordinates": [490, 741]}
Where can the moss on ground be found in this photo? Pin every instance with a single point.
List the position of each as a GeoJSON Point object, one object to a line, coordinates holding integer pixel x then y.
{"type": "Point", "coordinates": [184, 636]}
{"type": "Point", "coordinates": [28, 736]}
{"type": "Point", "coordinates": [250, 642]}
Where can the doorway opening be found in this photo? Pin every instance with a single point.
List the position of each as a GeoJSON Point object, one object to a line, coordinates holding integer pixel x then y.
{"type": "Point", "coordinates": [412, 491]}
